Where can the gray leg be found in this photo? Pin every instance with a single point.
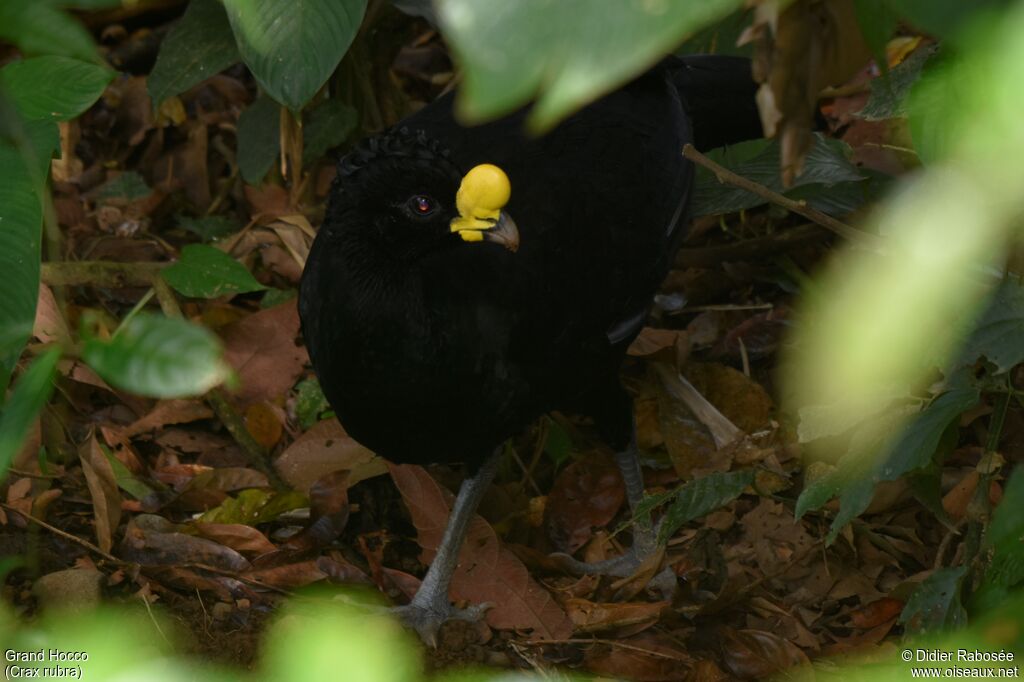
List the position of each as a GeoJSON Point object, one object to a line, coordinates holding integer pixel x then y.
{"type": "Point", "coordinates": [644, 534]}
{"type": "Point", "coordinates": [430, 608]}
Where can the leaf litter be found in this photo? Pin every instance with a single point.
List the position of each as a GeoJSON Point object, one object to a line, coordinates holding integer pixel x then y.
{"type": "Point", "coordinates": [166, 488]}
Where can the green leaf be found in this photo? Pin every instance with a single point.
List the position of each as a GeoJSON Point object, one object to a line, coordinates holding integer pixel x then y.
{"type": "Point", "coordinates": [935, 604]}
{"type": "Point", "coordinates": [159, 357]}
{"type": "Point", "coordinates": [23, 169]}
{"type": "Point", "coordinates": [254, 506]}
{"type": "Point", "coordinates": [126, 480]}
{"type": "Point", "coordinates": [310, 402]}
{"type": "Point", "coordinates": [326, 127]}
{"type": "Point", "coordinates": [208, 227]}
{"type": "Point", "coordinates": [558, 444]}
{"type": "Point", "coordinates": [997, 335]}
{"type": "Point", "coordinates": [30, 394]}
{"type": "Point", "coordinates": [275, 297]}
{"type": "Point", "coordinates": [878, 22]}
{"type": "Point", "coordinates": [915, 448]}
{"type": "Point", "coordinates": [53, 88]}
{"type": "Point", "coordinates": [258, 140]}
{"type": "Point", "coordinates": [940, 18]}
{"type": "Point", "coordinates": [826, 165]}
{"type": "Point", "coordinates": [568, 52]}
{"type": "Point", "coordinates": [721, 37]}
{"type": "Point", "coordinates": [128, 186]}
{"type": "Point", "coordinates": [38, 28]}
{"type": "Point", "coordinates": [199, 46]}
{"type": "Point", "coordinates": [293, 46]}
{"type": "Point", "coordinates": [206, 272]}
{"type": "Point", "coordinates": [700, 496]}
{"type": "Point", "coordinates": [889, 93]}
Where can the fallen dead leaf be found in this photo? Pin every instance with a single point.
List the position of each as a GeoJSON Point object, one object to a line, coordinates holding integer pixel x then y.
{"type": "Point", "coordinates": [588, 616]}
{"type": "Point", "coordinates": [178, 411]}
{"type": "Point", "coordinates": [587, 494]}
{"type": "Point", "coordinates": [757, 655]}
{"type": "Point", "coordinates": [323, 449]}
{"type": "Point", "coordinates": [106, 498]}
{"type": "Point", "coordinates": [487, 572]}
{"type": "Point", "coordinates": [237, 536]}
{"type": "Point", "coordinates": [263, 350]}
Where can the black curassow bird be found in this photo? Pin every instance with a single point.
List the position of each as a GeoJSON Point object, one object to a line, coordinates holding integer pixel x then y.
{"type": "Point", "coordinates": [467, 280]}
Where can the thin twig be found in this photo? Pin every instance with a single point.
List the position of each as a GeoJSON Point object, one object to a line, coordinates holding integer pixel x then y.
{"type": "Point", "coordinates": [101, 273]}
{"type": "Point", "coordinates": [64, 534]}
{"type": "Point", "coordinates": [609, 642]}
{"type": "Point", "coordinates": [727, 176]}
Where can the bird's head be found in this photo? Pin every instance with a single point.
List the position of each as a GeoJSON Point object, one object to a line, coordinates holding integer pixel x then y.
{"type": "Point", "coordinates": [403, 190]}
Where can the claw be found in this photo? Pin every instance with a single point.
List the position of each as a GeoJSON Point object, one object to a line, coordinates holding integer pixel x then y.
{"type": "Point", "coordinates": [427, 620]}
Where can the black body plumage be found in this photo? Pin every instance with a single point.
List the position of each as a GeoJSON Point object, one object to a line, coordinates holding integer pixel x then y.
{"type": "Point", "coordinates": [432, 349]}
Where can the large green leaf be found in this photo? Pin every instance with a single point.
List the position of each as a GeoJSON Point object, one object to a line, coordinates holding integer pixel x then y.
{"type": "Point", "coordinates": [567, 52]}
{"type": "Point", "coordinates": [199, 46]}
{"type": "Point", "coordinates": [23, 164]}
{"type": "Point", "coordinates": [29, 395]}
{"type": "Point", "coordinates": [258, 138]}
{"type": "Point", "coordinates": [999, 335]}
{"type": "Point", "coordinates": [159, 357]}
{"type": "Point", "coordinates": [1005, 536]}
{"type": "Point", "coordinates": [701, 496]}
{"type": "Point", "coordinates": [935, 604]}
{"type": "Point", "coordinates": [206, 272]}
{"type": "Point", "coordinates": [889, 93]}
{"type": "Point", "coordinates": [53, 88]}
{"type": "Point", "coordinates": [38, 28]}
{"type": "Point", "coordinates": [293, 46]}
{"type": "Point", "coordinates": [826, 166]}
{"type": "Point", "coordinates": [327, 126]}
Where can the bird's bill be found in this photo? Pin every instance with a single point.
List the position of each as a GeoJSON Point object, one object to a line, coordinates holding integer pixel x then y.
{"type": "Point", "coordinates": [501, 231]}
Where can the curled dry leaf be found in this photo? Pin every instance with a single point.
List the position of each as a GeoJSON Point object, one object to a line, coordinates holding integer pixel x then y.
{"type": "Point", "coordinates": [106, 498]}
{"type": "Point", "coordinates": [49, 326]}
{"type": "Point", "coordinates": [586, 495]}
{"type": "Point", "coordinates": [289, 576]}
{"type": "Point", "coordinates": [799, 50]}
{"type": "Point", "coordinates": [588, 616]}
{"type": "Point", "coordinates": [178, 411]}
{"type": "Point", "coordinates": [487, 572]}
{"type": "Point", "coordinates": [237, 536]}
{"type": "Point", "coordinates": [647, 657]}
{"type": "Point", "coordinates": [323, 449]}
{"type": "Point", "coordinates": [328, 501]}
{"type": "Point", "coordinates": [263, 349]}
{"type": "Point", "coordinates": [155, 548]}
{"type": "Point", "coordinates": [263, 423]}
{"type": "Point", "coordinates": [757, 655]}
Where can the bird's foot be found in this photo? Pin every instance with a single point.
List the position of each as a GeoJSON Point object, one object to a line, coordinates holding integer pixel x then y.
{"type": "Point", "coordinates": [644, 555]}
{"type": "Point", "coordinates": [427, 618]}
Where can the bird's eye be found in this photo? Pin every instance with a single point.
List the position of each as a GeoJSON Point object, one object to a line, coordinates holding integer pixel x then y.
{"type": "Point", "coordinates": [421, 205]}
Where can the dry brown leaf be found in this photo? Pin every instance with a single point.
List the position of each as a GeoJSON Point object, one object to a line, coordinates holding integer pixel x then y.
{"type": "Point", "coordinates": [268, 199]}
{"type": "Point", "coordinates": [289, 576]}
{"type": "Point", "coordinates": [263, 350]}
{"type": "Point", "coordinates": [800, 50]}
{"type": "Point", "coordinates": [106, 498]}
{"type": "Point", "coordinates": [586, 495]}
{"type": "Point", "coordinates": [647, 657]}
{"type": "Point", "coordinates": [323, 449]}
{"type": "Point", "coordinates": [588, 616]}
{"type": "Point", "coordinates": [757, 655]}
{"type": "Point", "coordinates": [329, 510]}
{"type": "Point", "coordinates": [741, 399]}
{"type": "Point", "coordinates": [237, 536]}
{"type": "Point", "coordinates": [156, 548]}
{"type": "Point", "coordinates": [876, 613]}
{"type": "Point", "coordinates": [651, 340]}
{"type": "Point", "coordinates": [178, 411]}
{"type": "Point", "coordinates": [49, 326]}
{"type": "Point", "coordinates": [487, 572]}
{"type": "Point", "coordinates": [263, 424]}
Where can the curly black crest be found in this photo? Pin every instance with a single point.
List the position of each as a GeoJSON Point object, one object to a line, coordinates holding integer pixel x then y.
{"type": "Point", "coordinates": [395, 143]}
